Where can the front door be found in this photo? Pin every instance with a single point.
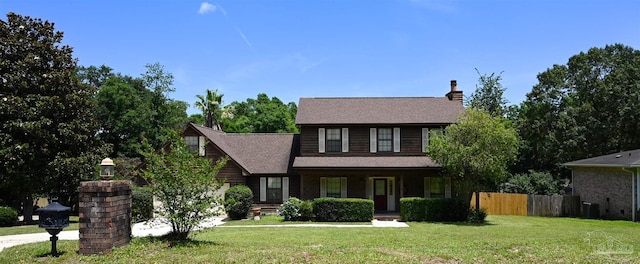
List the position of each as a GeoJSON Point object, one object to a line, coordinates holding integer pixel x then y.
{"type": "Point", "coordinates": [380, 194]}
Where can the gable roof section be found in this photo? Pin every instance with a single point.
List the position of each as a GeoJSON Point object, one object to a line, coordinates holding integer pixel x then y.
{"type": "Point", "coordinates": [378, 162]}
{"type": "Point", "coordinates": [626, 159]}
{"type": "Point", "coordinates": [378, 110]}
{"type": "Point", "coordinates": [256, 153]}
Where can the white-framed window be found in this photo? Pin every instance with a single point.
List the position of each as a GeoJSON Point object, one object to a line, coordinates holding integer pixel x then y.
{"type": "Point", "coordinates": [335, 187]}
{"type": "Point", "coordinates": [274, 189]}
{"type": "Point", "coordinates": [333, 140]}
{"type": "Point", "coordinates": [437, 187]}
{"type": "Point", "coordinates": [192, 143]}
{"type": "Point", "coordinates": [196, 144]}
{"type": "Point", "coordinates": [427, 134]}
{"type": "Point", "coordinates": [384, 139]}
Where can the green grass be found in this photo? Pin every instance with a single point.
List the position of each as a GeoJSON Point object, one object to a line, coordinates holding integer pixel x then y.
{"type": "Point", "coordinates": [279, 220]}
{"type": "Point", "coordinates": [504, 239]}
{"type": "Point", "coordinates": [33, 228]}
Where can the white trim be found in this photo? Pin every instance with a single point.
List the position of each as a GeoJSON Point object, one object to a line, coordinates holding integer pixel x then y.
{"type": "Point", "coordinates": [425, 139]}
{"type": "Point", "coordinates": [373, 138]}
{"type": "Point", "coordinates": [396, 139]}
{"type": "Point", "coordinates": [201, 148]}
{"type": "Point", "coordinates": [263, 189]}
{"type": "Point", "coordinates": [343, 187]}
{"type": "Point", "coordinates": [321, 140]}
{"type": "Point", "coordinates": [391, 194]}
{"type": "Point", "coordinates": [323, 186]}
{"type": "Point", "coordinates": [447, 187]}
{"type": "Point", "coordinates": [285, 188]}
{"type": "Point", "coordinates": [345, 139]}
{"type": "Point", "coordinates": [427, 187]}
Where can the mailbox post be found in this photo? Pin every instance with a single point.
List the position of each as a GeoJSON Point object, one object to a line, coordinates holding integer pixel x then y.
{"type": "Point", "coordinates": [53, 218]}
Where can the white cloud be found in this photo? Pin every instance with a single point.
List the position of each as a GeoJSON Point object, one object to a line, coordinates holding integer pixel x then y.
{"type": "Point", "coordinates": [206, 7]}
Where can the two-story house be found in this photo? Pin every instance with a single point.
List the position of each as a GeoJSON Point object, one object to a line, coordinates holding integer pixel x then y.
{"type": "Point", "coordinates": [372, 148]}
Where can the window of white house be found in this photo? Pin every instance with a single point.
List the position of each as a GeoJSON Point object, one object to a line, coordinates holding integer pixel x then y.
{"type": "Point", "coordinates": [334, 144]}
{"type": "Point", "coordinates": [334, 187]}
{"type": "Point", "coordinates": [192, 143]}
{"type": "Point", "coordinates": [385, 139]}
{"type": "Point", "coordinates": [274, 189]}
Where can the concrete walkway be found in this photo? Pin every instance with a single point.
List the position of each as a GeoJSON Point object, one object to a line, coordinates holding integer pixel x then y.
{"type": "Point", "coordinates": [158, 228]}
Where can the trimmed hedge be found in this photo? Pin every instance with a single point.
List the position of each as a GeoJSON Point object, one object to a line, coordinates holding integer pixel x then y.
{"type": "Point", "coordinates": [141, 204]}
{"type": "Point", "coordinates": [433, 209]}
{"type": "Point", "coordinates": [8, 216]}
{"type": "Point", "coordinates": [343, 209]}
{"type": "Point", "coordinates": [237, 201]}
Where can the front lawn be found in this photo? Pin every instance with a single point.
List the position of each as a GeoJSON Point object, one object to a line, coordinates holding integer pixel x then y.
{"type": "Point", "coordinates": [279, 220]}
{"type": "Point", "coordinates": [504, 239]}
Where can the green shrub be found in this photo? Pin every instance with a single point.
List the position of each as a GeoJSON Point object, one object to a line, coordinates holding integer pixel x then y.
{"type": "Point", "coordinates": [141, 204]}
{"type": "Point", "coordinates": [237, 201]}
{"type": "Point", "coordinates": [477, 216]}
{"type": "Point", "coordinates": [290, 209]}
{"type": "Point", "coordinates": [8, 216]}
{"type": "Point", "coordinates": [306, 211]}
{"type": "Point", "coordinates": [295, 209]}
{"type": "Point", "coordinates": [343, 210]}
{"type": "Point", "coordinates": [433, 209]}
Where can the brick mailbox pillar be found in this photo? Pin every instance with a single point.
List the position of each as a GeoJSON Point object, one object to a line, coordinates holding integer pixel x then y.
{"type": "Point", "coordinates": [105, 216]}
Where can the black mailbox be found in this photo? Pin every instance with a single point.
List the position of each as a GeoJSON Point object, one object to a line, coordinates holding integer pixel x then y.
{"type": "Point", "coordinates": [54, 217]}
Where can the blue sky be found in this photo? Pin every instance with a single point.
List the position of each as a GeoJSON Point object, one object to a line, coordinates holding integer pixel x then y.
{"type": "Point", "coordinates": [292, 49]}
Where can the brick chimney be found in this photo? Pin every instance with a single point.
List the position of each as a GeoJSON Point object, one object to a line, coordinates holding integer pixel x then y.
{"type": "Point", "coordinates": [454, 94]}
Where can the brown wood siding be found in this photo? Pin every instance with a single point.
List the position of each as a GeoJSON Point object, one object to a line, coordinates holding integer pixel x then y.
{"type": "Point", "coordinates": [411, 181]}
{"type": "Point", "coordinates": [232, 172]}
{"type": "Point", "coordinates": [410, 141]}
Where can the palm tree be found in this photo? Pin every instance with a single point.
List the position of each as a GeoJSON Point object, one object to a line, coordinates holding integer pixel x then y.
{"type": "Point", "coordinates": [210, 106]}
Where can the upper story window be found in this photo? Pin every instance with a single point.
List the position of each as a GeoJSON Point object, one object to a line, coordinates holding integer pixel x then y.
{"type": "Point", "coordinates": [192, 143]}
{"type": "Point", "coordinates": [384, 139]}
{"type": "Point", "coordinates": [195, 144]}
{"type": "Point", "coordinates": [427, 133]}
{"type": "Point", "coordinates": [334, 144]}
{"type": "Point", "coordinates": [333, 140]}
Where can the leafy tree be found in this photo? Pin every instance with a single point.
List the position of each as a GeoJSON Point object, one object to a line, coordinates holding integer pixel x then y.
{"type": "Point", "coordinates": [185, 184]}
{"type": "Point", "coordinates": [130, 108]}
{"type": "Point", "coordinates": [474, 150]}
{"type": "Point", "coordinates": [489, 95]}
{"type": "Point", "coordinates": [210, 104]}
{"type": "Point", "coordinates": [533, 182]}
{"type": "Point", "coordinates": [262, 115]}
{"type": "Point", "coordinates": [47, 129]}
{"type": "Point", "coordinates": [583, 109]}
{"type": "Point", "coordinates": [94, 76]}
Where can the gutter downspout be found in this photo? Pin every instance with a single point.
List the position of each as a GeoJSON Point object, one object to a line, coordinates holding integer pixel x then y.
{"type": "Point", "coordinates": [633, 191]}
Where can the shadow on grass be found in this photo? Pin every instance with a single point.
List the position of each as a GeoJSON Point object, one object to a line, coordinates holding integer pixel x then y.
{"type": "Point", "coordinates": [174, 241]}
{"type": "Point", "coordinates": [47, 255]}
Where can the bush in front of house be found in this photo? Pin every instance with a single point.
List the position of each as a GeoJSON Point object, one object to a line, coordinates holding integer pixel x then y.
{"type": "Point", "coordinates": [477, 216]}
{"type": "Point", "coordinates": [8, 216]}
{"type": "Point", "coordinates": [237, 201]}
{"type": "Point", "coordinates": [295, 209]}
{"type": "Point", "coordinates": [343, 210]}
{"type": "Point", "coordinates": [433, 209]}
{"type": "Point", "coordinates": [141, 204]}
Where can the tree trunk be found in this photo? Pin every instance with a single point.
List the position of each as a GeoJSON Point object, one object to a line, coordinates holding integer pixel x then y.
{"type": "Point", "coordinates": [27, 208]}
{"type": "Point", "coordinates": [477, 195]}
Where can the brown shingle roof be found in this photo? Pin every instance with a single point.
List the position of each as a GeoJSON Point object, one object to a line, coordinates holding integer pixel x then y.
{"type": "Point", "coordinates": [365, 162]}
{"type": "Point", "coordinates": [257, 153]}
{"type": "Point", "coordinates": [629, 158]}
{"type": "Point", "coordinates": [382, 110]}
